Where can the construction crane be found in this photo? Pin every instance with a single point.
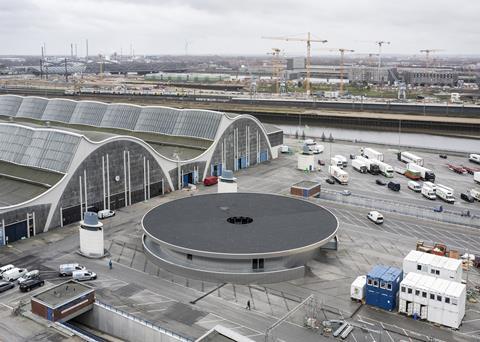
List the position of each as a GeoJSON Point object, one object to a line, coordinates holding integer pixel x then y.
{"type": "Point", "coordinates": [309, 41]}
{"type": "Point", "coordinates": [380, 43]}
{"type": "Point", "coordinates": [427, 53]}
{"type": "Point", "coordinates": [342, 57]}
{"type": "Point", "coordinates": [276, 66]}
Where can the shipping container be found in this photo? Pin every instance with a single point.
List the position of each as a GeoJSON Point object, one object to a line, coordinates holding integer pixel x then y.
{"type": "Point", "coordinates": [382, 286]}
{"type": "Point", "coordinates": [370, 153]}
{"type": "Point", "coordinates": [359, 165]}
{"type": "Point", "coordinates": [433, 265]}
{"type": "Point", "coordinates": [358, 288]}
{"type": "Point", "coordinates": [408, 157]}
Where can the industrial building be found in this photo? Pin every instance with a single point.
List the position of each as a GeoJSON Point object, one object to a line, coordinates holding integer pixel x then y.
{"type": "Point", "coordinates": [240, 238]}
{"type": "Point", "coordinates": [60, 158]}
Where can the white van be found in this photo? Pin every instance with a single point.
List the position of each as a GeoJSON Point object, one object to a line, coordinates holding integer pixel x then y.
{"type": "Point", "coordinates": [102, 214]}
{"type": "Point", "coordinates": [415, 186]}
{"type": "Point", "coordinates": [14, 274]}
{"type": "Point", "coordinates": [6, 268]}
{"type": "Point", "coordinates": [309, 142]}
{"type": "Point", "coordinates": [67, 269]}
{"type": "Point", "coordinates": [429, 190]}
{"type": "Point", "coordinates": [83, 275]}
{"type": "Point", "coordinates": [375, 216]}
{"type": "Point", "coordinates": [29, 275]}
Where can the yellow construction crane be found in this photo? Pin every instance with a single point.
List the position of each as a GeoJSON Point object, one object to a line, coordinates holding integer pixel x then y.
{"type": "Point", "coordinates": [309, 41]}
{"type": "Point", "coordinates": [342, 57]}
{"type": "Point", "coordinates": [276, 66]}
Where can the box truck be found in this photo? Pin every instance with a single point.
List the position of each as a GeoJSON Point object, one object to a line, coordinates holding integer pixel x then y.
{"type": "Point", "coordinates": [336, 162]}
{"type": "Point", "coordinates": [428, 190]}
{"type": "Point", "coordinates": [408, 157]}
{"type": "Point", "coordinates": [338, 174]}
{"type": "Point", "coordinates": [343, 160]}
{"type": "Point", "coordinates": [385, 169]}
{"type": "Point", "coordinates": [445, 193]}
{"type": "Point", "coordinates": [372, 166]}
{"type": "Point", "coordinates": [370, 153]}
{"type": "Point", "coordinates": [359, 165]}
{"type": "Point", "coordinates": [425, 174]}
{"type": "Point", "coordinates": [475, 194]}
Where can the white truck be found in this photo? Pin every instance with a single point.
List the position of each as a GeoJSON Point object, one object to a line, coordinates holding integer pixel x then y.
{"type": "Point", "coordinates": [408, 157]}
{"type": "Point", "coordinates": [343, 159]}
{"type": "Point", "coordinates": [415, 186]}
{"type": "Point", "coordinates": [425, 174]}
{"type": "Point", "coordinates": [359, 165]}
{"type": "Point", "coordinates": [372, 166]}
{"type": "Point", "coordinates": [338, 174]}
{"type": "Point", "coordinates": [445, 193]}
{"type": "Point", "coordinates": [475, 194]}
{"type": "Point", "coordinates": [336, 162]}
{"type": "Point", "coordinates": [370, 153]}
{"type": "Point", "coordinates": [317, 149]}
{"type": "Point", "coordinates": [475, 158]}
{"type": "Point", "coordinates": [429, 190]}
{"type": "Point", "coordinates": [385, 169]}
{"type": "Point", "coordinates": [476, 177]}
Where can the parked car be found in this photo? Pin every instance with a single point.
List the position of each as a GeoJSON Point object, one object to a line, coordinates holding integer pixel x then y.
{"type": "Point", "coordinates": [67, 269]}
{"type": "Point", "coordinates": [29, 275]}
{"type": "Point", "coordinates": [29, 285]}
{"type": "Point", "coordinates": [375, 216]}
{"type": "Point", "coordinates": [6, 268]}
{"type": "Point", "coordinates": [346, 192]}
{"type": "Point", "coordinates": [83, 275]}
{"type": "Point", "coordinates": [14, 274]}
{"type": "Point", "coordinates": [210, 180]}
{"type": "Point", "coordinates": [380, 182]}
{"type": "Point", "coordinates": [443, 156]}
{"type": "Point", "coordinates": [394, 186]}
{"type": "Point", "coordinates": [330, 181]}
{"type": "Point", "coordinates": [6, 285]}
{"type": "Point", "coordinates": [321, 162]}
{"type": "Point", "coordinates": [467, 197]}
{"type": "Point", "coordinates": [103, 214]}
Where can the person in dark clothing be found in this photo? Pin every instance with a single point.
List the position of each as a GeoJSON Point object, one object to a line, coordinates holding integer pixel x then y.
{"type": "Point", "coordinates": [110, 264]}
{"type": "Point", "coordinates": [248, 305]}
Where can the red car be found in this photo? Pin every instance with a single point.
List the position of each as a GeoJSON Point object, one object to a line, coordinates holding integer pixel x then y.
{"type": "Point", "coordinates": [210, 180]}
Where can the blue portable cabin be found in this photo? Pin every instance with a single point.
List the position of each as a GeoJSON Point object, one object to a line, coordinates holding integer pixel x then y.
{"type": "Point", "coordinates": [382, 286]}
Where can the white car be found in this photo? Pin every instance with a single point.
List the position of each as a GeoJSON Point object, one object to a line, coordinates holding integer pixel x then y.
{"type": "Point", "coordinates": [102, 214]}
{"type": "Point", "coordinates": [14, 274]}
{"type": "Point", "coordinates": [375, 217]}
{"type": "Point", "coordinates": [6, 268]}
{"type": "Point", "coordinates": [83, 275]}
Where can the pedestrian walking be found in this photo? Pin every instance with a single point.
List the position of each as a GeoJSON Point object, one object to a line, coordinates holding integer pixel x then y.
{"type": "Point", "coordinates": [248, 305]}
{"type": "Point", "coordinates": [110, 264]}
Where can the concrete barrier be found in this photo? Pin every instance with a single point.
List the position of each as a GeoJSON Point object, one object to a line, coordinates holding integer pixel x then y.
{"type": "Point", "coordinates": [371, 203]}
{"type": "Point", "coordinates": [125, 326]}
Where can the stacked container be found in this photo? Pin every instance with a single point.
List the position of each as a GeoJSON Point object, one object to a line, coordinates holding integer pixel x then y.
{"type": "Point", "coordinates": [433, 265]}
{"type": "Point", "coordinates": [382, 287]}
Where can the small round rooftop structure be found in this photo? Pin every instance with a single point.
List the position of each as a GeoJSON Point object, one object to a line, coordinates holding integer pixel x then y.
{"type": "Point", "coordinates": [237, 237]}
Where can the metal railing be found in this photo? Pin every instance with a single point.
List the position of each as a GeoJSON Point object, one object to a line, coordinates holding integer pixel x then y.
{"type": "Point", "coordinates": [143, 322]}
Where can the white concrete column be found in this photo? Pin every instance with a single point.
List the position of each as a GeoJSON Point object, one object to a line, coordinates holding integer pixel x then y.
{"type": "Point", "coordinates": [85, 188]}
{"type": "Point", "coordinates": [28, 225]}
{"type": "Point", "coordinates": [148, 178]}
{"type": "Point", "coordinates": [61, 217]}
{"type": "Point", "coordinates": [108, 182]}
{"type": "Point", "coordinates": [103, 183]}
{"type": "Point", "coordinates": [3, 230]}
{"type": "Point", "coordinates": [81, 198]}
{"type": "Point", "coordinates": [129, 181]}
{"type": "Point", "coordinates": [34, 224]}
{"type": "Point", "coordinates": [125, 175]}
{"type": "Point", "coordinates": [144, 179]}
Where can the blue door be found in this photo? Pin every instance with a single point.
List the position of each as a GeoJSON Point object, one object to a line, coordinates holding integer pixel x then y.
{"type": "Point", "coordinates": [219, 169]}
{"type": "Point", "coordinates": [243, 162]}
{"type": "Point", "coordinates": [185, 180]}
{"type": "Point", "coordinates": [49, 314]}
{"type": "Point", "coordinates": [263, 156]}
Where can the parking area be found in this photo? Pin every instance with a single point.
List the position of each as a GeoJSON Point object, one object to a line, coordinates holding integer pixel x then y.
{"type": "Point", "coordinates": [138, 287]}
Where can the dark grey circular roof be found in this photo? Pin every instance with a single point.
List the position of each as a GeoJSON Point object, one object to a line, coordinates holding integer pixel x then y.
{"type": "Point", "coordinates": [279, 223]}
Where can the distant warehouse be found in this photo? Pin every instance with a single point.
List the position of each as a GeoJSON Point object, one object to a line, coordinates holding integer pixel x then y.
{"type": "Point", "coordinates": [59, 158]}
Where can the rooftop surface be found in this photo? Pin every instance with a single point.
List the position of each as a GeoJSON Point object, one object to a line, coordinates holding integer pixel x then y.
{"type": "Point", "coordinates": [62, 293]}
{"type": "Point", "coordinates": [14, 191]}
{"type": "Point", "coordinates": [279, 223]}
{"type": "Point", "coordinates": [306, 184]}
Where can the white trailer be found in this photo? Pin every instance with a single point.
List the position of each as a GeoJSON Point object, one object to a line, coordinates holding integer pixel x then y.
{"type": "Point", "coordinates": [385, 169]}
{"type": "Point", "coordinates": [338, 174]}
{"type": "Point", "coordinates": [475, 158]}
{"type": "Point", "coordinates": [343, 160]}
{"type": "Point", "coordinates": [476, 177]}
{"type": "Point", "coordinates": [359, 165]}
{"type": "Point", "coordinates": [358, 288]}
{"type": "Point", "coordinates": [425, 174]}
{"type": "Point", "coordinates": [429, 190]}
{"type": "Point", "coordinates": [370, 153]}
{"type": "Point", "coordinates": [475, 194]}
{"type": "Point", "coordinates": [434, 265]}
{"type": "Point", "coordinates": [372, 166]}
{"type": "Point", "coordinates": [445, 193]}
{"type": "Point", "coordinates": [408, 157]}
{"type": "Point", "coordinates": [336, 162]}
{"type": "Point", "coordinates": [437, 300]}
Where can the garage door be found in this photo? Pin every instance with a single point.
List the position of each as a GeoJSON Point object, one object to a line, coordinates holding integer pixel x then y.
{"type": "Point", "coordinates": [16, 231]}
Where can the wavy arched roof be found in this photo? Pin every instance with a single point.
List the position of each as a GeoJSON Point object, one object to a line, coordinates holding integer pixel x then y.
{"type": "Point", "coordinates": [201, 124]}
{"type": "Point", "coordinates": [42, 148]}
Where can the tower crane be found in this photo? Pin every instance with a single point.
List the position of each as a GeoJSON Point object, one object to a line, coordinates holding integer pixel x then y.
{"type": "Point", "coordinates": [342, 57]}
{"type": "Point", "coordinates": [427, 53]}
{"type": "Point", "coordinates": [380, 43]}
{"type": "Point", "coordinates": [309, 41]}
{"type": "Point", "coordinates": [275, 66]}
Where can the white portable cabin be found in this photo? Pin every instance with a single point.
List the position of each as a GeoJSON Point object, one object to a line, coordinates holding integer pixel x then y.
{"type": "Point", "coordinates": [370, 153]}
{"type": "Point", "coordinates": [436, 300]}
{"type": "Point", "coordinates": [433, 265]}
{"type": "Point", "coordinates": [306, 162]}
{"type": "Point", "coordinates": [358, 288]}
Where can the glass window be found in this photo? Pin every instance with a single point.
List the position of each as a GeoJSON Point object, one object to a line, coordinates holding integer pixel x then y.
{"type": "Point", "coordinates": [389, 286]}
{"type": "Point", "coordinates": [424, 294]}
{"type": "Point", "coordinates": [409, 291]}
{"type": "Point", "coordinates": [432, 296]}
{"type": "Point", "coordinates": [369, 282]}
{"type": "Point", "coordinates": [375, 283]}
{"type": "Point", "coordinates": [403, 289]}
{"type": "Point", "coordinates": [255, 264]}
{"type": "Point", "coordinates": [432, 271]}
{"type": "Point", "coordinates": [419, 267]}
{"type": "Point", "coordinates": [382, 285]}
{"type": "Point", "coordinates": [437, 272]}
{"type": "Point", "coordinates": [439, 298]}
{"type": "Point", "coordinates": [189, 257]}
{"type": "Point", "coordinates": [447, 300]}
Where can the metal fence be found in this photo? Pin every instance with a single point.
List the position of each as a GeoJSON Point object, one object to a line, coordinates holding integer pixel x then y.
{"type": "Point", "coordinates": [143, 322]}
{"type": "Point", "coordinates": [449, 216]}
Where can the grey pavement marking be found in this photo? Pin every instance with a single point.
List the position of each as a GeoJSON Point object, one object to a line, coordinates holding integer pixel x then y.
{"type": "Point", "coordinates": [381, 323]}
{"type": "Point", "coordinates": [157, 310]}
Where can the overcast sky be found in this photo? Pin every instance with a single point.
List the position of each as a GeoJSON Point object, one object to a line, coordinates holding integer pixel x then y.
{"type": "Point", "coordinates": [236, 27]}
